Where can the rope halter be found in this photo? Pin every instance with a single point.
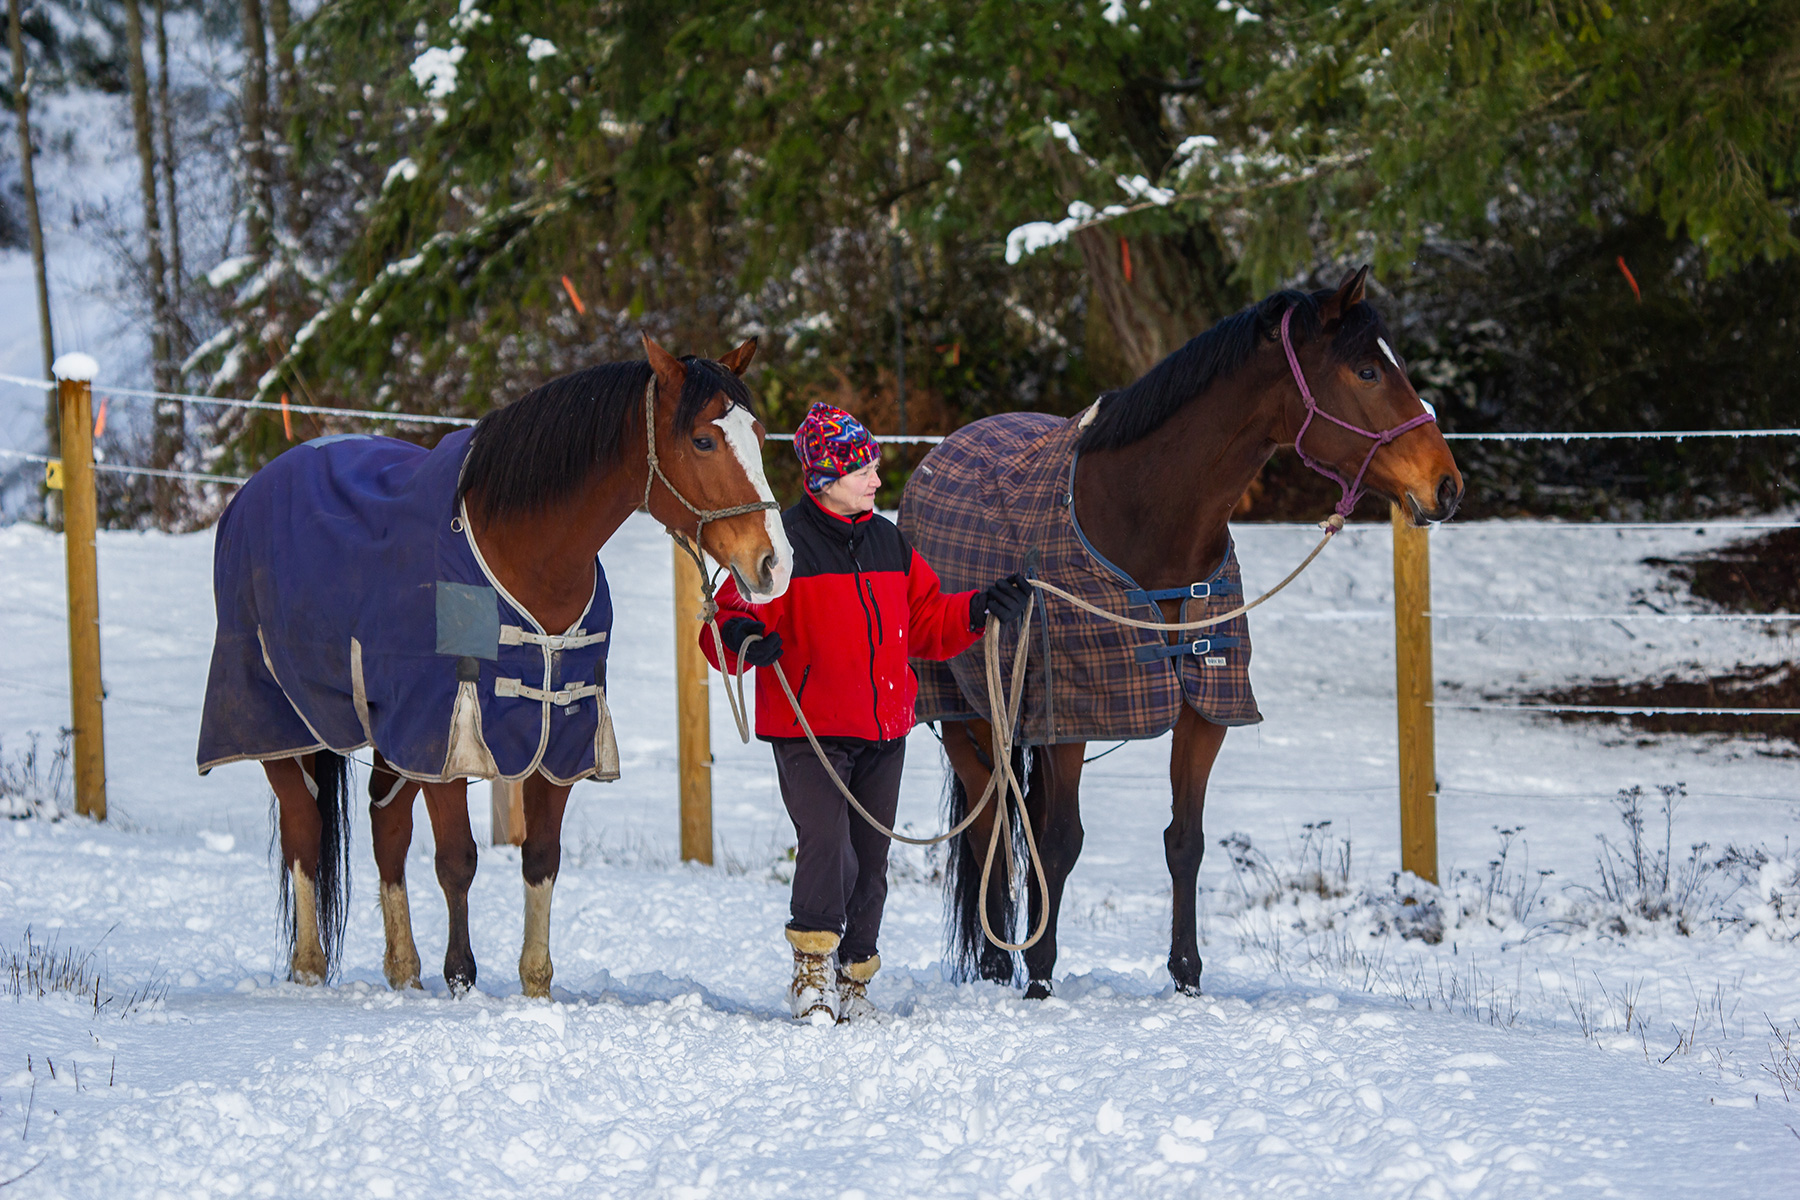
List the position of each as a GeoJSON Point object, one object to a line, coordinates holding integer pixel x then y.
{"type": "Point", "coordinates": [709, 607]}
{"type": "Point", "coordinates": [1352, 488]}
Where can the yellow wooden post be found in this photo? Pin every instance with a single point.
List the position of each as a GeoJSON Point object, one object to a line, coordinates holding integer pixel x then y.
{"type": "Point", "coordinates": [693, 716]}
{"type": "Point", "coordinates": [507, 803]}
{"type": "Point", "coordinates": [1413, 690]}
{"type": "Point", "coordinates": [75, 408]}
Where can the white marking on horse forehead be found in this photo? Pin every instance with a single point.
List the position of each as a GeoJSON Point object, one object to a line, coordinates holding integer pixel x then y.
{"type": "Point", "coordinates": [739, 427]}
{"type": "Point", "coordinates": [1387, 350]}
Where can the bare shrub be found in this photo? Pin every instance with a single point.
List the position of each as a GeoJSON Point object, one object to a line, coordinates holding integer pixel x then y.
{"type": "Point", "coordinates": [36, 785]}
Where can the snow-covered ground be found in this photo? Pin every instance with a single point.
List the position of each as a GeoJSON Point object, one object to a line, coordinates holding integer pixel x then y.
{"type": "Point", "coordinates": [1561, 1047]}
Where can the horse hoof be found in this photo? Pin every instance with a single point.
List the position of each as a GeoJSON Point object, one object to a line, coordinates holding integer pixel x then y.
{"type": "Point", "coordinates": [460, 980]}
{"type": "Point", "coordinates": [534, 979]}
{"type": "Point", "coordinates": [997, 968]}
{"type": "Point", "coordinates": [1038, 989]}
{"type": "Point", "coordinates": [307, 969]}
{"type": "Point", "coordinates": [402, 979]}
{"type": "Point", "coordinates": [1186, 974]}
{"type": "Point", "coordinates": [401, 973]}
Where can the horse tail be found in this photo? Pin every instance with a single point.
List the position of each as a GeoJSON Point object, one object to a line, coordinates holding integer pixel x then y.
{"type": "Point", "coordinates": [332, 772]}
{"type": "Point", "coordinates": [968, 954]}
{"type": "Point", "coordinates": [331, 885]}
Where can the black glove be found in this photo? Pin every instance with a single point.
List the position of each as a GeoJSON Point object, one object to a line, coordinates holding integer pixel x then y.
{"type": "Point", "coordinates": [1004, 599]}
{"type": "Point", "coordinates": [739, 630]}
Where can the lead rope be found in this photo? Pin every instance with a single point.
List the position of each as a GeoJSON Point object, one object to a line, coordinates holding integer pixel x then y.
{"type": "Point", "coordinates": [1331, 525]}
{"type": "Point", "coordinates": [709, 608]}
{"type": "Point", "coordinates": [1002, 781]}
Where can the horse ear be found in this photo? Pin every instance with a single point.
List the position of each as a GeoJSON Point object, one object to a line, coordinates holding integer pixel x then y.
{"type": "Point", "coordinates": [1348, 295]}
{"type": "Point", "coordinates": [667, 367]}
{"type": "Point", "coordinates": [738, 361]}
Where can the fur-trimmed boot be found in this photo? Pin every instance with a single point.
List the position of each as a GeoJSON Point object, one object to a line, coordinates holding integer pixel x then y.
{"type": "Point", "coordinates": [813, 995]}
{"type": "Point", "coordinates": [853, 990]}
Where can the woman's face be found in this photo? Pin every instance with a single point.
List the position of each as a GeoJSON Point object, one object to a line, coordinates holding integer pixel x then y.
{"type": "Point", "coordinates": [853, 494]}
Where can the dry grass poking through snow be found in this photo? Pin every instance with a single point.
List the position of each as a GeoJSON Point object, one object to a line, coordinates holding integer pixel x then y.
{"type": "Point", "coordinates": [35, 784]}
{"type": "Point", "coordinates": [36, 970]}
{"type": "Point", "coordinates": [1623, 957]}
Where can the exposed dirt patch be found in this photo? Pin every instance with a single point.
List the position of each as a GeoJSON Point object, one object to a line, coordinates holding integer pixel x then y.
{"type": "Point", "coordinates": [1756, 575]}
{"type": "Point", "coordinates": [1776, 686]}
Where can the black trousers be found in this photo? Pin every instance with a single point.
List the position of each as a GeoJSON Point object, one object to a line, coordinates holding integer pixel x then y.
{"type": "Point", "coordinates": [840, 863]}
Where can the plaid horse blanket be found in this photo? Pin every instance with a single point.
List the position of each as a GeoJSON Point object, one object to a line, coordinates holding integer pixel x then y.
{"type": "Point", "coordinates": [355, 610]}
{"type": "Point", "coordinates": [994, 498]}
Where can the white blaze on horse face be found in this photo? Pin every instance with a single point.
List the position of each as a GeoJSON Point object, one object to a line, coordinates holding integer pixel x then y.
{"type": "Point", "coordinates": [1389, 351]}
{"type": "Point", "coordinates": [739, 427]}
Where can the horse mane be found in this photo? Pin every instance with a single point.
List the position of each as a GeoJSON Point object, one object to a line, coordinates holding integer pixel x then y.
{"type": "Point", "coordinates": [544, 446]}
{"type": "Point", "coordinates": [1138, 410]}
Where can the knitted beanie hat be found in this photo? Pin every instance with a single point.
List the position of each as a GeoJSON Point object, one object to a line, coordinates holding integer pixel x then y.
{"type": "Point", "coordinates": [831, 443]}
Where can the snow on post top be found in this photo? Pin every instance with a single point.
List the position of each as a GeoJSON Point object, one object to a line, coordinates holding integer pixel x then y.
{"type": "Point", "coordinates": [76, 366]}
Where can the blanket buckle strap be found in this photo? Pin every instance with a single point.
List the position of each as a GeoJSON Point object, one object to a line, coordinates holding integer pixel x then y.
{"type": "Point", "coordinates": [509, 688]}
{"type": "Point", "coordinates": [517, 635]}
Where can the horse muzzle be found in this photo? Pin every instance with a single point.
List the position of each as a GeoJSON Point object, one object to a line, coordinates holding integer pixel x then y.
{"type": "Point", "coordinates": [1444, 502]}
{"type": "Point", "coordinates": [768, 581]}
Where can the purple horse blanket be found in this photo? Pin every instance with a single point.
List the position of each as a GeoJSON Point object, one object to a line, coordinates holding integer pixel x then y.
{"type": "Point", "coordinates": [355, 610]}
{"type": "Point", "coordinates": [994, 498]}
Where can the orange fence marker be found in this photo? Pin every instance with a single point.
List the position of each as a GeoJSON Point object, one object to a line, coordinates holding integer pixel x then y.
{"type": "Point", "coordinates": [1630, 278]}
{"type": "Point", "coordinates": [574, 296]}
{"type": "Point", "coordinates": [287, 418]}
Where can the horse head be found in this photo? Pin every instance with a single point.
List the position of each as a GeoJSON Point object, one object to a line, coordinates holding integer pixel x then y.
{"type": "Point", "coordinates": [708, 444]}
{"type": "Point", "coordinates": [1353, 391]}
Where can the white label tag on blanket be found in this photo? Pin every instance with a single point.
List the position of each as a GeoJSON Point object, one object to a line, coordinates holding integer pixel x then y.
{"type": "Point", "coordinates": [1213, 661]}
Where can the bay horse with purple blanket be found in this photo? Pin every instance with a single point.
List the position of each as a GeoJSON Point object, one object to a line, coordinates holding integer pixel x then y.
{"type": "Point", "coordinates": [1127, 506]}
{"type": "Point", "coordinates": [446, 609]}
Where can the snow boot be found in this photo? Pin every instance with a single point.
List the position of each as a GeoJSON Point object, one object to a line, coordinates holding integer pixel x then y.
{"type": "Point", "coordinates": [853, 990]}
{"type": "Point", "coordinates": [813, 996]}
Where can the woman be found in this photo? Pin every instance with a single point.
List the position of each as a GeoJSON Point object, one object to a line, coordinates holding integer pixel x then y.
{"type": "Point", "coordinates": [860, 604]}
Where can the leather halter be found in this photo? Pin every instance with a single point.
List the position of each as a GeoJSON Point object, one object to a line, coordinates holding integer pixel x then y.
{"type": "Point", "coordinates": [1352, 488]}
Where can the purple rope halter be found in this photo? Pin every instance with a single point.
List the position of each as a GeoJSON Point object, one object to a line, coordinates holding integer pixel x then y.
{"type": "Point", "coordinates": [1352, 489]}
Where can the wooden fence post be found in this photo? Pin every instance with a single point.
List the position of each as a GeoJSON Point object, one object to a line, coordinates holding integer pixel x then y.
{"type": "Point", "coordinates": [75, 410]}
{"type": "Point", "coordinates": [1413, 689]}
{"type": "Point", "coordinates": [693, 716]}
{"type": "Point", "coordinates": [506, 801]}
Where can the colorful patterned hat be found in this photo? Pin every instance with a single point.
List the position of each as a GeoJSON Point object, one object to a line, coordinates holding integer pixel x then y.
{"type": "Point", "coordinates": [831, 443]}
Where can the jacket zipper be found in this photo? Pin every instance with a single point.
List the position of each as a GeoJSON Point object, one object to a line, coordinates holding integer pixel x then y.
{"type": "Point", "coordinates": [871, 628]}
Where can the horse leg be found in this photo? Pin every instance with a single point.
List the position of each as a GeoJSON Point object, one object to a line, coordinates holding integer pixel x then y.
{"type": "Point", "coordinates": [391, 820]}
{"type": "Point", "coordinates": [1053, 806]}
{"type": "Point", "coordinates": [539, 859]}
{"type": "Point", "coordinates": [301, 827]}
{"type": "Point", "coordinates": [1197, 743]}
{"type": "Point", "coordinates": [448, 806]}
{"type": "Point", "coordinates": [968, 745]}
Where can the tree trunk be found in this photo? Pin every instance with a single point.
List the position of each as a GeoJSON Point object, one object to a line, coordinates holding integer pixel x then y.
{"type": "Point", "coordinates": [28, 181]}
{"type": "Point", "coordinates": [284, 58]}
{"type": "Point", "coordinates": [255, 118]}
{"type": "Point", "coordinates": [177, 278]}
{"type": "Point", "coordinates": [169, 420]}
{"type": "Point", "coordinates": [282, 117]}
{"type": "Point", "coordinates": [1177, 287]}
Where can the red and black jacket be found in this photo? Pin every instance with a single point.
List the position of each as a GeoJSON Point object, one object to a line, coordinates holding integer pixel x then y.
{"type": "Point", "coordinates": [861, 603]}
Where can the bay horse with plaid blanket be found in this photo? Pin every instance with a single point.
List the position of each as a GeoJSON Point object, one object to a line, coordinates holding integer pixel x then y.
{"type": "Point", "coordinates": [1128, 505]}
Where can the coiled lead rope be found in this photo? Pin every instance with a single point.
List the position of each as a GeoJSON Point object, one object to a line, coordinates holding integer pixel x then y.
{"type": "Point", "coordinates": [1003, 704]}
